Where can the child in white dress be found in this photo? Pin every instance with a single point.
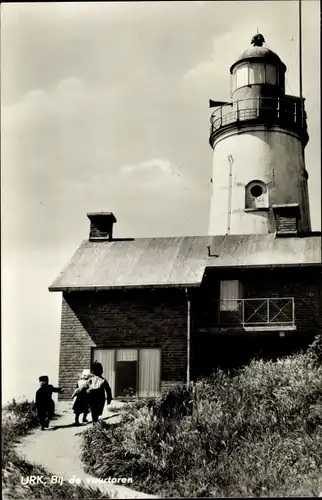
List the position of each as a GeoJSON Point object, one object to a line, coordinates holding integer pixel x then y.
{"type": "Point", "coordinates": [81, 404]}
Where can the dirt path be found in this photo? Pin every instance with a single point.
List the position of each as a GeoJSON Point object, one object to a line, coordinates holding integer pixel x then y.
{"type": "Point", "coordinates": [58, 449]}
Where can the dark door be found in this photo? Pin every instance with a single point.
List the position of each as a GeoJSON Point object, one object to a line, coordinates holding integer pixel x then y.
{"type": "Point", "coordinates": [125, 378]}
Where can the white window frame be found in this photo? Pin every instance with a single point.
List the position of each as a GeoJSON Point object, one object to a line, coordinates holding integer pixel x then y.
{"type": "Point", "coordinates": [230, 295]}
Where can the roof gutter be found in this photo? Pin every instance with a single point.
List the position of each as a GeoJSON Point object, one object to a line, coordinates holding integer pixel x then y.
{"type": "Point", "coordinates": [188, 336]}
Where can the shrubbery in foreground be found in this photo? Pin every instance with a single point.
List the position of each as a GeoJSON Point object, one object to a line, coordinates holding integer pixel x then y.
{"type": "Point", "coordinates": [256, 433]}
{"type": "Point", "coordinates": [18, 418]}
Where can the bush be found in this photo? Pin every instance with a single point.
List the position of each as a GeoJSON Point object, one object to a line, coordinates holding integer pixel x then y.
{"type": "Point", "coordinates": [315, 349]}
{"type": "Point", "coordinates": [18, 418]}
{"type": "Point", "coordinates": [251, 433]}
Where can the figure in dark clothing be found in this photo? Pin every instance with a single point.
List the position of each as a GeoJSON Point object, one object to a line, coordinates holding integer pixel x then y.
{"type": "Point", "coordinates": [98, 387]}
{"type": "Point", "coordinates": [44, 403]}
{"type": "Point", "coordinates": [81, 404]}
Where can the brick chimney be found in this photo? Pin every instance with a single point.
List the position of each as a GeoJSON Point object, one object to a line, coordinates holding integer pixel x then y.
{"type": "Point", "coordinates": [286, 219]}
{"type": "Point", "coordinates": [101, 228]}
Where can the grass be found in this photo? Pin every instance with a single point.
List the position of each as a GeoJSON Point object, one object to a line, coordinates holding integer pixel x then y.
{"type": "Point", "coordinates": [18, 419]}
{"type": "Point", "coordinates": [257, 432]}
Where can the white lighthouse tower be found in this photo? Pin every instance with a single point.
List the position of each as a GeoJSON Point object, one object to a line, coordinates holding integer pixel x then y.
{"type": "Point", "coordinates": [258, 140]}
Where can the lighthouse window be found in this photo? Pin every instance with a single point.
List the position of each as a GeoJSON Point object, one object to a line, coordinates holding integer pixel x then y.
{"type": "Point", "coordinates": [233, 82]}
{"type": "Point", "coordinates": [281, 79]}
{"type": "Point", "coordinates": [256, 195]}
{"type": "Point", "coordinates": [256, 73]}
{"type": "Point", "coordinates": [271, 74]}
{"type": "Point", "coordinates": [256, 190]}
{"type": "Point", "coordinates": [242, 75]}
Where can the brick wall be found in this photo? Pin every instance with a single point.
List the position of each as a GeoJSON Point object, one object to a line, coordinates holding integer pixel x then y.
{"type": "Point", "coordinates": [143, 318]}
{"type": "Point", "coordinates": [232, 347]}
{"type": "Point", "coordinates": [304, 284]}
{"type": "Point", "coordinates": [116, 319]}
{"type": "Point", "coordinates": [96, 232]}
{"type": "Point", "coordinates": [167, 386]}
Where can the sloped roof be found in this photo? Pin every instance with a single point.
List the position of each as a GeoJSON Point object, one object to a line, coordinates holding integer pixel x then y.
{"type": "Point", "coordinates": [178, 261]}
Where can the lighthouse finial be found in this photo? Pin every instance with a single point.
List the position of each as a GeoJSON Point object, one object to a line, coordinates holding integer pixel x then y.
{"type": "Point", "coordinates": [258, 40]}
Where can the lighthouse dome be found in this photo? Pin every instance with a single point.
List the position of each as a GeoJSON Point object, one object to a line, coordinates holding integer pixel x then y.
{"type": "Point", "coordinates": [256, 71]}
{"type": "Point", "coordinates": [259, 53]}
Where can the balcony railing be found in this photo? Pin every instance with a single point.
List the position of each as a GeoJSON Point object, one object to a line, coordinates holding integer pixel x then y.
{"type": "Point", "coordinates": [257, 312]}
{"type": "Point", "coordinates": [271, 110]}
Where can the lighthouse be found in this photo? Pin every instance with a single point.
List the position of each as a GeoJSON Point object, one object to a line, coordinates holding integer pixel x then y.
{"type": "Point", "coordinates": [258, 139]}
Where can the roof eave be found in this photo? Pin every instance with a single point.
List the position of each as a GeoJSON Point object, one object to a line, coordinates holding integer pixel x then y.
{"type": "Point", "coordinates": [62, 288]}
{"type": "Point", "coordinates": [97, 288]}
{"type": "Point", "coordinates": [266, 266]}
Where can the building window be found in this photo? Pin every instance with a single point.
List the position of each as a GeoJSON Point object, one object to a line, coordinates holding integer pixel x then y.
{"type": "Point", "coordinates": [131, 372]}
{"type": "Point", "coordinates": [230, 292]}
{"type": "Point", "coordinates": [256, 195]}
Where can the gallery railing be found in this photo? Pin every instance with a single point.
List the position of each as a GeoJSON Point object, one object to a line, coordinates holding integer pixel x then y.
{"type": "Point", "coordinates": [270, 110]}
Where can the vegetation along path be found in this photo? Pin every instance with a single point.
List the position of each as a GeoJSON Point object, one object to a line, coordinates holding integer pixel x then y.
{"type": "Point", "coordinates": [58, 450]}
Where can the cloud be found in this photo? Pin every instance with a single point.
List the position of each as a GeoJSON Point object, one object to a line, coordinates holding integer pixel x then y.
{"type": "Point", "coordinates": [63, 129]}
{"type": "Point", "coordinates": [156, 180]}
{"type": "Point", "coordinates": [65, 153]}
{"type": "Point", "coordinates": [155, 175]}
{"type": "Point", "coordinates": [156, 163]}
{"type": "Point", "coordinates": [211, 76]}
{"type": "Point", "coordinates": [70, 96]}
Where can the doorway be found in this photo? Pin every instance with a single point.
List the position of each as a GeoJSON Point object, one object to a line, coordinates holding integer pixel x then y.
{"type": "Point", "coordinates": [131, 372]}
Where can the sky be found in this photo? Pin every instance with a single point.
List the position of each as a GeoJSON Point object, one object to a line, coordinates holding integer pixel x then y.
{"type": "Point", "coordinates": [104, 107]}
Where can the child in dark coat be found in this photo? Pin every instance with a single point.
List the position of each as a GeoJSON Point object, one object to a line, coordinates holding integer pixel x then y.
{"type": "Point", "coordinates": [44, 403]}
{"type": "Point", "coordinates": [98, 387]}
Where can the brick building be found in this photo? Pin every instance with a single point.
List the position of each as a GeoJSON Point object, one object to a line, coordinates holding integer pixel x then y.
{"type": "Point", "coordinates": [144, 307]}
{"type": "Point", "coordinates": [158, 311]}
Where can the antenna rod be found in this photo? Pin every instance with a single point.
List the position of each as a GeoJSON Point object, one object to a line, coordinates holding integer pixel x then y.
{"type": "Point", "coordinates": [300, 46]}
